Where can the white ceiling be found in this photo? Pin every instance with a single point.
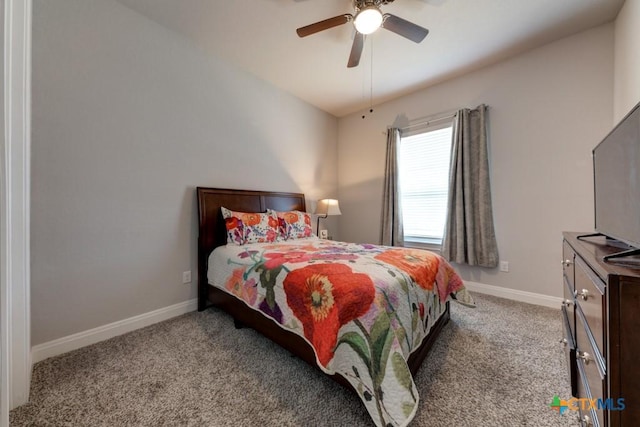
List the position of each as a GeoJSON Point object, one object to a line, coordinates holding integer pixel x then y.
{"type": "Point", "coordinates": [259, 36]}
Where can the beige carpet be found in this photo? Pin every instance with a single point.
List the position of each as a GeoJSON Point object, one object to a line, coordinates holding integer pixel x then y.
{"type": "Point", "coordinates": [497, 365]}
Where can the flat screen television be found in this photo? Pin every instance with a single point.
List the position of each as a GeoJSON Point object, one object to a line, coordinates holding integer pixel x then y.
{"type": "Point", "coordinates": [616, 166]}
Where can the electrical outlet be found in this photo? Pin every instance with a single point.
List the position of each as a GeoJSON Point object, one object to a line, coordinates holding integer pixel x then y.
{"type": "Point", "coordinates": [324, 234]}
{"type": "Point", "coordinates": [504, 266]}
{"type": "Point", "coordinates": [186, 277]}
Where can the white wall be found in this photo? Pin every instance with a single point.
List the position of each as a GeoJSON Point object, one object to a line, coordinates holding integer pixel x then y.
{"type": "Point", "coordinates": [548, 108]}
{"type": "Point", "coordinates": [627, 60]}
{"type": "Point", "coordinates": [128, 118]}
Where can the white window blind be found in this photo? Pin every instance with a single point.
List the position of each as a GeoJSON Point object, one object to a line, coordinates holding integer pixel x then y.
{"type": "Point", "coordinates": [424, 180]}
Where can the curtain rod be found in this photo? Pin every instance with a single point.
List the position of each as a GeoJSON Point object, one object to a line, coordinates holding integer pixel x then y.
{"type": "Point", "coordinates": [428, 122]}
{"type": "Point", "coordinates": [434, 118]}
{"type": "Point", "coordinates": [421, 121]}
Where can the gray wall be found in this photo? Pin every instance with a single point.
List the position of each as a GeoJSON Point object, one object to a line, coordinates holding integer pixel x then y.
{"type": "Point", "coordinates": [548, 108]}
{"type": "Point", "coordinates": [128, 118]}
{"type": "Point", "coordinates": [627, 60]}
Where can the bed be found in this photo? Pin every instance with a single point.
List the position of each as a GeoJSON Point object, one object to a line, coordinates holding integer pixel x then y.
{"type": "Point", "coordinates": [337, 256]}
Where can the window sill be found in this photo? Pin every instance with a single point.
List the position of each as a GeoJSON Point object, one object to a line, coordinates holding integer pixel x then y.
{"type": "Point", "coordinates": [419, 245]}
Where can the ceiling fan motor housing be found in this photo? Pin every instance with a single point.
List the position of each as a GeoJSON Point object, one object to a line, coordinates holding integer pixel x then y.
{"type": "Point", "coordinates": [361, 4]}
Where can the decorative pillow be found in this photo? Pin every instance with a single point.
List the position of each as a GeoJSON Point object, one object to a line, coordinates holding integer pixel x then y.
{"type": "Point", "coordinates": [250, 227]}
{"type": "Point", "coordinates": [293, 224]}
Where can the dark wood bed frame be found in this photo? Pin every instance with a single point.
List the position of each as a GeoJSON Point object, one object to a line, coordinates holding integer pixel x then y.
{"type": "Point", "coordinates": [212, 233]}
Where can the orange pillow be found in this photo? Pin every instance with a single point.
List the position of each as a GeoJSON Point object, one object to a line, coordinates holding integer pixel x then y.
{"type": "Point", "coordinates": [250, 227]}
{"type": "Point", "coordinates": [293, 224]}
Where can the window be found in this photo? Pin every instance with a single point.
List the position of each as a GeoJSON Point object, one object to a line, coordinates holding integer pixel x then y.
{"type": "Point", "coordinates": [424, 182]}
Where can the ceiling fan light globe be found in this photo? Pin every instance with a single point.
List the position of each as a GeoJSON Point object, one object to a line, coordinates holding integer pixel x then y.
{"type": "Point", "coordinates": [368, 20]}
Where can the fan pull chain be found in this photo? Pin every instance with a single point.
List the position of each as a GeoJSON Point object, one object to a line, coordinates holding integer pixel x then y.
{"type": "Point", "coordinates": [364, 75]}
{"type": "Point", "coordinates": [370, 80]}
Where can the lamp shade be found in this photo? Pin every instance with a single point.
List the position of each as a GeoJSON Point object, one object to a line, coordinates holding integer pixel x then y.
{"type": "Point", "coordinates": [328, 207]}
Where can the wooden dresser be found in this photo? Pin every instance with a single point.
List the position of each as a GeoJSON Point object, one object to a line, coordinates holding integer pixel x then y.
{"type": "Point", "coordinates": [601, 313]}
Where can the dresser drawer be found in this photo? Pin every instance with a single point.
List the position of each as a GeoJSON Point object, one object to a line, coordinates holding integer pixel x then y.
{"type": "Point", "coordinates": [589, 416]}
{"type": "Point", "coordinates": [568, 304]}
{"type": "Point", "coordinates": [595, 365]}
{"type": "Point", "coordinates": [590, 298]}
{"type": "Point", "coordinates": [590, 365]}
{"type": "Point", "coordinates": [569, 345]}
{"type": "Point", "coordinates": [568, 259]}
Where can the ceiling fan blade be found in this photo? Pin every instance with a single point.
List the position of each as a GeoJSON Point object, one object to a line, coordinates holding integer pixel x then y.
{"type": "Point", "coordinates": [356, 50]}
{"type": "Point", "coordinates": [404, 28]}
{"type": "Point", "coordinates": [324, 25]}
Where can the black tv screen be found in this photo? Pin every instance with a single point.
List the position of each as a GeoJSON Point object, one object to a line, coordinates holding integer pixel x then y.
{"type": "Point", "coordinates": [616, 164]}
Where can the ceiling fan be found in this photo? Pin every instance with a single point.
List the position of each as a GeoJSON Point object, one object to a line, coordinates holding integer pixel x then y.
{"type": "Point", "coordinates": [367, 19]}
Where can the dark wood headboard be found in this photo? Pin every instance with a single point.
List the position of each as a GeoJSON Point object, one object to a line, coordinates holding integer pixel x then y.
{"type": "Point", "coordinates": [211, 227]}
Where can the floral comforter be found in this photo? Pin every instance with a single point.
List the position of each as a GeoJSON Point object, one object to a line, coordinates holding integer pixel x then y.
{"type": "Point", "coordinates": [363, 308]}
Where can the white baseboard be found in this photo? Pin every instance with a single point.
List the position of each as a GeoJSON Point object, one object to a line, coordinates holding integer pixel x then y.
{"type": "Point", "coordinates": [512, 294]}
{"type": "Point", "coordinates": [81, 339]}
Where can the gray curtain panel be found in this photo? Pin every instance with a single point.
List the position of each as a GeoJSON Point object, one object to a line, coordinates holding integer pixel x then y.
{"type": "Point", "coordinates": [391, 233]}
{"type": "Point", "coordinates": [469, 236]}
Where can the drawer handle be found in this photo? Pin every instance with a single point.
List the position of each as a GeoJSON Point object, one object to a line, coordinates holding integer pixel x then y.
{"type": "Point", "coordinates": [586, 357]}
{"type": "Point", "coordinates": [567, 303]}
{"type": "Point", "coordinates": [566, 262]}
{"type": "Point", "coordinates": [584, 294]}
{"type": "Point", "coordinates": [564, 342]}
{"type": "Point", "coordinates": [585, 420]}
